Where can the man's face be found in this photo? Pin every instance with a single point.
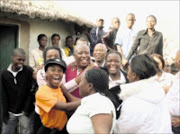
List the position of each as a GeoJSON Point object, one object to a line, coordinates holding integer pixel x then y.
{"type": "Point", "coordinates": [100, 23]}
{"type": "Point", "coordinates": [116, 23]}
{"type": "Point", "coordinates": [18, 61]}
{"type": "Point", "coordinates": [99, 53]}
{"type": "Point", "coordinates": [130, 21]}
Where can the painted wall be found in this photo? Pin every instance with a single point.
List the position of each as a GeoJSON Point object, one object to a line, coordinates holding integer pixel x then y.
{"type": "Point", "coordinates": [38, 26]}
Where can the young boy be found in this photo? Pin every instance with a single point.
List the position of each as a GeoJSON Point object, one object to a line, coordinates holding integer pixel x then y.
{"type": "Point", "coordinates": [50, 99]}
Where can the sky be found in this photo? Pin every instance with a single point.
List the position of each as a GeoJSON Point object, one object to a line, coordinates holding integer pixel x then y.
{"type": "Point", "coordinates": [166, 12]}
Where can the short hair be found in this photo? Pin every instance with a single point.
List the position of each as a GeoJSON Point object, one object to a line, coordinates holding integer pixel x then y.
{"type": "Point", "coordinates": [18, 51]}
{"type": "Point", "coordinates": [115, 18]}
{"type": "Point", "coordinates": [54, 35]}
{"type": "Point", "coordinates": [82, 40]}
{"type": "Point", "coordinates": [153, 17]}
{"type": "Point", "coordinates": [40, 36]}
{"type": "Point", "coordinates": [103, 46]}
{"type": "Point", "coordinates": [131, 15]}
{"type": "Point", "coordinates": [113, 52]}
{"type": "Point", "coordinates": [144, 66]}
{"type": "Point", "coordinates": [160, 58]}
{"type": "Point", "coordinates": [100, 80]}
{"type": "Point", "coordinates": [49, 48]}
{"type": "Point", "coordinates": [80, 45]}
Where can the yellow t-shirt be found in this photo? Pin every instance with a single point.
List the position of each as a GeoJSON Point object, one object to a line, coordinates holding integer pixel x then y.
{"type": "Point", "coordinates": [67, 50]}
{"type": "Point", "coordinates": [46, 98]}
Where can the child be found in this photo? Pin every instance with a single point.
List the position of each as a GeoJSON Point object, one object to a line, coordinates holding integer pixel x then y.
{"type": "Point", "coordinates": [50, 99]}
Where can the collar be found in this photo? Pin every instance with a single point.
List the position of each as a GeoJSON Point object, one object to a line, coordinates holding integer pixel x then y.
{"type": "Point", "coordinates": [146, 31]}
{"type": "Point", "coordinates": [10, 69]}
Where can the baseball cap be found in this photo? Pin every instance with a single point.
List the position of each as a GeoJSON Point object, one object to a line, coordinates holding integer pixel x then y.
{"type": "Point", "coordinates": [55, 61]}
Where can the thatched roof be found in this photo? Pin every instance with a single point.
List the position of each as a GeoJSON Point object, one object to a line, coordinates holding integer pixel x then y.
{"type": "Point", "coordinates": [43, 9]}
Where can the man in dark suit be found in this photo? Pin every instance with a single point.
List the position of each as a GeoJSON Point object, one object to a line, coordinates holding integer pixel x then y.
{"type": "Point", "coordinates": [96, 34]}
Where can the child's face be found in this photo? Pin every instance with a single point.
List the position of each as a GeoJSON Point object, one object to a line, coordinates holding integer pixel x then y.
{"type": "Point", "coordinates": [54, 75]}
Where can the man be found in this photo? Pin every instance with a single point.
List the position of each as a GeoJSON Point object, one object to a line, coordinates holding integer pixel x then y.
{"type": "Point", "coordinates": [173, 97]}
{"type": "Point", "coordinates": [147, 41]}
{"type": "Point", "coordinates": [35, 56]}
{"type": "Point", "coordinates": [109, 38]}
{"type": "Point", "coordinates": [16, 85]}
{"type": "Point", "coordinates": [99, 54]}
{"type": "Point", "coordinates": [96, 34]}
{"type": "Point", "coordinates": [126, 37]}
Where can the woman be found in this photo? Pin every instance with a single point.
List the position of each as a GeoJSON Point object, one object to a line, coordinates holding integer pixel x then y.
{"type": "Point", "coordinates": [96, 114]}
{"type": "Point", "coordinates": [116, 75]}
{"type": "Point", "coordinates": [144, 108]}
{"type": "Point", "coordinates": [50, 99]}
{"type": "Point", "coordinates": [82, 60]}
{"type": "Point", "coordinates": [165, 79]}
{"type": "Point", "coordinates": [147, 41]}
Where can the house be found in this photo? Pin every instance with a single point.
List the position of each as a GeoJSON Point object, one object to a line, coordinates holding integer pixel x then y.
{"type": "Point", "coordinates": [23, 20]}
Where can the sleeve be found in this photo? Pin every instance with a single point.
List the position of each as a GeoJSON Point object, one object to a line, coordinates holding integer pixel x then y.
{"type": "Point", "coordinates": [45, 100]}
{"type": "Point", "coordinates": [93, 41]}
{"type": "Point", "coordinates": [118, 39]}
{"type": "Point", "coordinates": [40, 79]}
{"type": "Point", "coordinates": [71, 85]}
{"type": "Point", "coordinates": [134, 46]}
{"type": "Point", "coordinates": [133, 115]}
{"type": "Point", "coordinates": [31, 60]}
{"type": "Point", "coordinates": [4, 97]}
{"type": "Point", "coordinates": [99, 105]}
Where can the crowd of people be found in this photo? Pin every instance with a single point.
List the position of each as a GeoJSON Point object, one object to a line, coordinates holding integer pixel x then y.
{"type": "Point", "coordinates": [100, 82]}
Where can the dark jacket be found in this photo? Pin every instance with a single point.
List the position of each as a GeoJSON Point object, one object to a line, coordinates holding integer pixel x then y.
{"type": "Point", "coordinates": [14, 96]}
{"type": "Point", "coordinates": [147, 44]}
{"type": "Point", "coordinates": [96, 39]}
{"type": "Point", "coordinates": [109, 39]}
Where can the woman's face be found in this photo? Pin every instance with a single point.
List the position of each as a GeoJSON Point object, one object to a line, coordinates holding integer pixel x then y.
{"type": "Point", "coordinates": [150, 22]}
{"type": "Point", "coordinates": [54, 75]}
{"type": "Point", "coordinates": [83, 86]}
{"type": "Point", "coordinates": [82, 56]}
{"type": "Point", "coordinates": [43, 42]}
{"type": "Point", "coordinates": [131, 75]}
{"type": "Point", "coordinates": [113, 62]}
{"type": "Point", "coordinates": [158, 62]}
{"type": "Point", "coordinates": [52, 53]}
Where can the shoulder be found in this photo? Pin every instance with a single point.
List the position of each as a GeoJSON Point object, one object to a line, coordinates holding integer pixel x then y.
{"type": "Point", "coordinates": [159, 33]}
{"type": "Point", "coordinates": [4, 72]}
{"type": "Point", "coordinates": [141, 32]}
{"type": "Point", "coordinates": [28, 68]}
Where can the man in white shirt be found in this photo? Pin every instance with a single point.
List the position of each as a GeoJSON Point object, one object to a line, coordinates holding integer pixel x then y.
{"type": "Point", "coordinates": [126, 37]}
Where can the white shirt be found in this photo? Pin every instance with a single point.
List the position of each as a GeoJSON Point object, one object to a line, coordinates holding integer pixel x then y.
{"type": "Point", "coordinates": [80, 121]}
{"type": "Point", "coordinates": [144, 108]}
{"type": "Point", "coordinates": [122, 80]}
{"type": "Point", "coordinates": [173, 97]}
{"type": "Point", "coordinates": [125, 38]}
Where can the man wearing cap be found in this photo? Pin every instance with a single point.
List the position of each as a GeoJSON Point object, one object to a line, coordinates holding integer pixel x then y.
{"type": "Point", "coordinates": [96, 34]}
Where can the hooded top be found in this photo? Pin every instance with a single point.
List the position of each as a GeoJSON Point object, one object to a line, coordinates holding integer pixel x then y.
{"type": "Point", "coordinates": [144, 108]}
